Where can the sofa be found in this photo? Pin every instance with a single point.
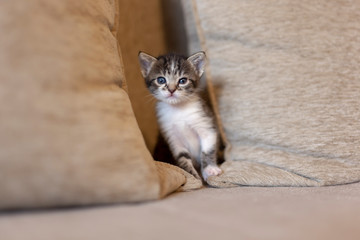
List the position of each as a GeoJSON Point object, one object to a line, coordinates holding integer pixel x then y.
{"type": "Point", "coordinates": [80, 142]}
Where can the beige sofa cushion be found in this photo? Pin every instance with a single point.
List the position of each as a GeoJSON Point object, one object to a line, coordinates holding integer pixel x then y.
{"type": "Point", "coordinates": [284, 80]}
{"type": "Point", "coordinates": [68, 134]}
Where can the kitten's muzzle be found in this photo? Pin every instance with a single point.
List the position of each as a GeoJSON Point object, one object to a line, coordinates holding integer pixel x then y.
{"type": "Point", "coordinates": [171, 90]}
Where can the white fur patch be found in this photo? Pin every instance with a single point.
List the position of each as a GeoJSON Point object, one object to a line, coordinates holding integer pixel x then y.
{"type": "Point", "coordinates": [186, 128]}
{"type": "Point", "coordinates": [211, 170]}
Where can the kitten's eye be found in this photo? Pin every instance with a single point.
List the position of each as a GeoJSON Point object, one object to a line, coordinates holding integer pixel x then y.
{"type": "Point", "coordinates": [161, 80]}
{"type": "Point", "coordinates": [183, 81]}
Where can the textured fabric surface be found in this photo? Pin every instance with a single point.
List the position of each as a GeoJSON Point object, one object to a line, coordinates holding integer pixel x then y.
{"type": "Point", "coordinates": [171, 176]}
{"type": "Point", "coordinates": [68, 134]}
{"type": "Point", "coordinates": [254, 213]}
{"type": "Point", "coordinates": [284, 79]}
{"type": "Point", "coordinates": [141, 29]}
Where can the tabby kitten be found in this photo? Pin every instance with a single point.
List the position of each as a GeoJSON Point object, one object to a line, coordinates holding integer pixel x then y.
{"type": "Point", "coordinates": [184, 122]}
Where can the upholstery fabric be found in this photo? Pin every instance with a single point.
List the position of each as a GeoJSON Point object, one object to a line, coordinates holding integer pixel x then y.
{"type": "Point", "coordinates": [258, 213]}
{"type": "Point", "coordinates": [284, 81]}
{"type": "Point", "coordinates": [141, 29]}
{"type": "Point", "coordinates": [68, 134]}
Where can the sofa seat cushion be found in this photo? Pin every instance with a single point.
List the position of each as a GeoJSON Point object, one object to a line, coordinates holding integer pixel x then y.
{"type": "Point", "coordinates": [284, 81]}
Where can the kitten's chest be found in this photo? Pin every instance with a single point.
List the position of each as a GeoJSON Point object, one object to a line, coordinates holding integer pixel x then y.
{"type": "Point", "coordinates": [189, 116]}
{"type": "Point", "coordinates": [182, 126]}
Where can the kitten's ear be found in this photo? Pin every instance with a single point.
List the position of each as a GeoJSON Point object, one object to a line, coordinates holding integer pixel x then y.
{"type": "Point", "coordinates": [146, 62]}
{"type": "Point", "coordinates": [198, 60]}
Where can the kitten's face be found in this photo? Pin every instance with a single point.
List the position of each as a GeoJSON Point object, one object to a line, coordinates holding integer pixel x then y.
{"type": "Point", "coordinates": [172, 78]}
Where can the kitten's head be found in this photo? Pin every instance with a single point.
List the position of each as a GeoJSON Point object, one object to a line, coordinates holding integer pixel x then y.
{"type": "Point", "coordinates": [172, 78]}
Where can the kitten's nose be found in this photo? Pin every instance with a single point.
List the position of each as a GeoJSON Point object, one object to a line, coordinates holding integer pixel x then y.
{"type": "Point", "coordinates": [172, 90]}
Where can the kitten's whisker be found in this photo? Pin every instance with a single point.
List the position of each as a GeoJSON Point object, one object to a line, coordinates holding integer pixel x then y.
{"type": "Point", "coordinates": [151, 101]}
{"type": "Point", "coordinates": [149, 98]}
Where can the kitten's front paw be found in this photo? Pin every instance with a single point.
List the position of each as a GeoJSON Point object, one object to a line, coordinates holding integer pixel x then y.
{"type": "Point", "coordinates": [195, 174]}
{"type": "Point", "coordinates": [210, 170]}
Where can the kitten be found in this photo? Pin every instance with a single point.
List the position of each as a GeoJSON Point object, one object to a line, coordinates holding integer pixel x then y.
{"type": "Point", "coordinates": [184, 122]}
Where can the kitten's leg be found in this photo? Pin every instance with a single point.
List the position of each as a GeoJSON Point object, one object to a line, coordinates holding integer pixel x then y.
{"type": "Point", "coordinates": [208, 140]}
{"type": "Point", "coordinates": [184, 161]}
{"type": "Point", "coordinates": [209, 166]}
{"type": "Point", "coordinates": [181, 154]}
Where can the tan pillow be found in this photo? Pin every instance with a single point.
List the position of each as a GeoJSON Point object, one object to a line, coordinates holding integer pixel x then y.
{"type": "Point", "coordinates": [284, 79]}
{"type": "Point", "coordinates": [68, 134]}
{"type": "Point", "coordinates": [141, 28]}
